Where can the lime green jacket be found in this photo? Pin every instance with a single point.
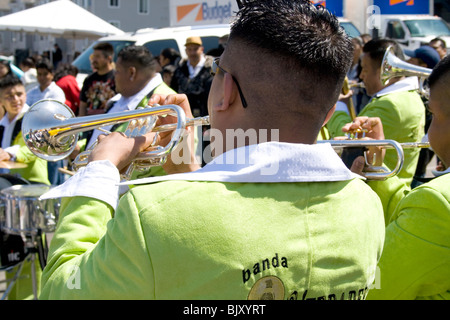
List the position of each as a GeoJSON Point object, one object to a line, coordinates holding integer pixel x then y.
{"type": "Point", "coordinates": [415, 263]}
{"type": "Point", "coordinates": [219, 240]}
{"type": "Point", "coordinates": [403, 118]}
{"type": "Point", "coordinates": [36, 169]}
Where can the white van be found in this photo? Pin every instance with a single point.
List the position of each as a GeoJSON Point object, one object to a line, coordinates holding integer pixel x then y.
{"type": "Point", "coordinates": [413, 31]}
{"type": "Point", "coordinates": [158, 39]}
{"type": "Point", "coordinates": [155, 40]}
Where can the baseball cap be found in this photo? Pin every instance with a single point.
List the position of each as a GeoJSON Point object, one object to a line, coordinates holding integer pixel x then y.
{"type": "Point", "coordinates": [428, 55]}
{"type": "Point", "coordinates": [194, 40]}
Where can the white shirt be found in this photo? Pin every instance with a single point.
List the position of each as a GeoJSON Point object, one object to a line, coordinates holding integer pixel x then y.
{"type": "Point", "coordinates": [193, 71]}
{"type": "Point", "coordinates": [52, 92]}
{"type": "Point", "coordinates": [9, 128]}
{"type": "Point", "coordinates": [29, 79]}
{"type": "Point", "coordinates": [407, 84]}
{"type": "Point", "coordinates": [127, 103]}
{"type": "Point", "coordinates": [270, 162]}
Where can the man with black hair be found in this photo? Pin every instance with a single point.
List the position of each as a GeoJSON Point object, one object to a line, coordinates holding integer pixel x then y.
{"type": "Point", "coordinates": [415, 263]}
{"type": "Point", "coordinates": [99, 86]}
{"type": "Point", "coordinates": [136, 80]}
{"type": "Point", "coordinates": [440, 46]}
{"type": "Point", "coordinates": [13, 98]}
{"type": "Point", "coordinates": [46, 88]}
{"type": "Point", "coordinates": [262, 220]}
{"type": "Point", "coordinates": [397, 103]}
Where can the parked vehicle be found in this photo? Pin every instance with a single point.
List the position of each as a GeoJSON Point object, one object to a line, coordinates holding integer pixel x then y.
{"type": "Point", "coordinates": [155, 40]}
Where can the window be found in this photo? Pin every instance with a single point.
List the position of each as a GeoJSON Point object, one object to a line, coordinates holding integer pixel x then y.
{"type": "Point", "coordinates": [114, 3]}
{"type": "Point", "coordinates": [156, 46]}
{"type": "Point", "coordinates": [423, 28]}
{"type": "Point", "coordinates": [143, 7]}
{"type": "Point", "coordinates": [395, 30]}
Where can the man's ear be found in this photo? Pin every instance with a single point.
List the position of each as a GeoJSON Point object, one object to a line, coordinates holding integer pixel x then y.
{"type": "Point", "coordinates": [132, 71]}
{"type": "Point", "coordinates": [229, 91]}
{"type": "Point", "coordinates": [329, 115]}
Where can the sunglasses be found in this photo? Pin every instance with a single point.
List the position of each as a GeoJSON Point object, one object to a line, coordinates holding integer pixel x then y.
{"type": "Point", "coordinates": [214, 69]}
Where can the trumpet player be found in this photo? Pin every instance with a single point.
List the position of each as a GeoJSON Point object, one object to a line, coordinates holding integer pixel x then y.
{"type": "Point", "coordinates": [232, 230]}
{"type": "Point", "coordinates": [136, 80]}
{"type": "Point", "coordinates": [415, 263]}
{"type": "Point", "coordinates": [397, 104]}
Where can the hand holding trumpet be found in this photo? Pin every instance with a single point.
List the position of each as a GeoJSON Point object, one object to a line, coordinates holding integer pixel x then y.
{"type": "Point", "coordinates": [366, 128]}
{"type": "Point", "coordinates": [121, 150]}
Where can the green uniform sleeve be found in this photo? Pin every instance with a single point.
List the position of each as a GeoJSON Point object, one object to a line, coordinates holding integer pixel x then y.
{"type": "Point", "coordinates": [336, 122]}
{"type": "Point", "coordinates": [391, 191]}
{"type": "Point", "coordinates": [92, 256]}
{"type": "Point", "coordinates": [36, 169]}
{"type": "Point", "coordinates": [415, 263]}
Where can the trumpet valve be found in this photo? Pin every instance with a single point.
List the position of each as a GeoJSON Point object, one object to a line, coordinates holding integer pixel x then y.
{"type": "Point", "coordinates": [356, 134]}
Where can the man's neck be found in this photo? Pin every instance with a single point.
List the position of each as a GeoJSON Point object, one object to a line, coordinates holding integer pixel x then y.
{"type": "Point", "coordinates": [194, 62]}
{"type": "Point", "coordinates": [43, 88]}
{"type": "Point", "coordinates": [104, 71]}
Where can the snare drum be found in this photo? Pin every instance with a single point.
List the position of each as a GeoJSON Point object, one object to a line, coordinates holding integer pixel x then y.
{"type": "Point", "coordinates": [6, 181]}
{"type": "Point", "coordinates": [25, 214]}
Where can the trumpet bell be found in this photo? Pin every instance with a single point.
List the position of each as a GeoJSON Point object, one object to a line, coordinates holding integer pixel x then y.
{"type": "Point", "coordinates": [50, 130]}
{"type": "Point", "coordinates": [40, 128]}
{"type": "Point", "coordinates": [393, 67]}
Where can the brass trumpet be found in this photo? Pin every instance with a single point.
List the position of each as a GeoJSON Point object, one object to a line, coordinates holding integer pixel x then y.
{"type": "Point", "coordinates": [360, 146]}
{"type": "Point", "coordinates": [393, 67]}
{"type": "Point", "coordinates": [51, 130]}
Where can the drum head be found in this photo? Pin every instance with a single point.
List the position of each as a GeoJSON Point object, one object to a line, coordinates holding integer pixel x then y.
{"type": "Point", "coordinates": [8, 180]}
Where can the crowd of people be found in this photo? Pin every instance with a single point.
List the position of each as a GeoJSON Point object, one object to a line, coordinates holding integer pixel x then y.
{"type": "Point", "coordinates": [311, 229]}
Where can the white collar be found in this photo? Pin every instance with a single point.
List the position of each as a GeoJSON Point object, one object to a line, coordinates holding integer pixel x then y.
{"type": "Point", "coordinates": [132, 102]}
{"type": "Point", "coordinates": [407, 84]}
{"type": "Point", "coordinates": [193, 71]}
{"type": "Point", "coordinates": [270, 162]}
{"type": "Point", "coordinates": [5, 122]}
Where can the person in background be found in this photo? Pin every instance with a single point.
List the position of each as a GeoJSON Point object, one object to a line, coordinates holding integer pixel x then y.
{"type": "Point", "coordinates": [285, 222]}
{"type": "Point", "coordinates": [98, 87]}
{"type": "Point", "coordinates": [167, 73]}
{"type": "Point", "coordinates": [46, 88]}
{"type": "Point", "coordinates": [193, 76]}
{"type": "Point", "coordinates": [217, 52]}
{"type": "Point", "coordinates": [5, 68]}
{"type": "Point", "coordinates": [440, 46]}
{"type": "Point", "coordinates": [425, 56]}
{"type": "Point", "coordinates": [415, 263]}
{"type": "Point", "coordinates": [13, 99]}
{"type": "Point", "coordinates": [66, 79]}
{"type": "Point", "coordinates": [28, 66]}
{"type": "Point", "coordinates": [136, 81]}
{"type": "Point", "coordinates": [57, 56]}
{"type": "Point", "coordinates": [169, 56]}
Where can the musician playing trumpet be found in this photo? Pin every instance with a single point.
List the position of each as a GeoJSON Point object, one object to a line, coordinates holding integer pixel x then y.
{"type": "Point", "coordinates": [415, 263]}
{"type": "Point", "coordinates": [397, 104]}
{"type": "Point", "coordinates": [262, 220]}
